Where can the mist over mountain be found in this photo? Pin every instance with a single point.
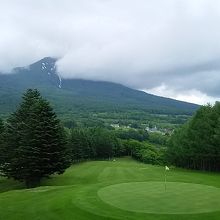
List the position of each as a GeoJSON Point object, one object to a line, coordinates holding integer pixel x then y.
{"type": "Point", "coordinates": [71, 95]}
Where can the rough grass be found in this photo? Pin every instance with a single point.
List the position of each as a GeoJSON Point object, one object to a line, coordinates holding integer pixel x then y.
{"type": "Point", "coordinates": [74, 195]}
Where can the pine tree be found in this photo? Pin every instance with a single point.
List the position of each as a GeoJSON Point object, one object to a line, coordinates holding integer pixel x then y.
{"type": "Point", "coordinates": [36, 143]}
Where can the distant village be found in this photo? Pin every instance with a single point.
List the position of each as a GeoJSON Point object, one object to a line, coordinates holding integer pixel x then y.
{"type": "Point", "coordinates": [154, 129]}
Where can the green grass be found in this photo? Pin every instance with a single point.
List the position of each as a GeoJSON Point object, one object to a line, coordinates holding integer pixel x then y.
{"type": "Point", "coordinates": [88, 191]}
{"type": "Point", "coordinates": [152, 197]}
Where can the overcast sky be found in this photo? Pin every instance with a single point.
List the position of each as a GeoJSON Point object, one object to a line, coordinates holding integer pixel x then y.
{"type": "Point", "coordinates": [167, 47]}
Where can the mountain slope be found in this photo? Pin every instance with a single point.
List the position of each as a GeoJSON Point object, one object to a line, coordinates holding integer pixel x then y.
{"type": "Point", "coordinates": [69, 95]}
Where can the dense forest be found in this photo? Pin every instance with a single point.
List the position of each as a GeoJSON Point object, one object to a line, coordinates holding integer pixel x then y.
{"type": "Point", "coordinates": [99, 143]}
{"type": "Point", "coordinates": [196, 145]}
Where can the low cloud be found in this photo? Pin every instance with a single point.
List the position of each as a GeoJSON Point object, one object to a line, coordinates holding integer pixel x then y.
{"type": "Point", "coordinates": [142, 44]}
{"type": "Point", "coordinates": [193, 95]}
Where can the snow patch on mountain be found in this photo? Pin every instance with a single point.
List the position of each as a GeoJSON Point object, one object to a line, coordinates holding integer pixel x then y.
{"type": "Point", "coordinates": [50, 69]}
{"type": "Point", "coordinates": [43, 66]}
{"type": "Point", "coordinates": [60, 83]}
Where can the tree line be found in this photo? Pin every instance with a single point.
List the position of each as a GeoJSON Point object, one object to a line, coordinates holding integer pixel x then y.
{"type": "Point", "coordinates": [92, 143]}
{"type": "Point", "coordinates": [101, 143]}
{"type": "Point", "coordinates": [196, 145]}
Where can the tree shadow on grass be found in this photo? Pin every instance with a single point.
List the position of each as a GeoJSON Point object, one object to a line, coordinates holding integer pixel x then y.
{"type": "Point", "coordinates": [9, 184]}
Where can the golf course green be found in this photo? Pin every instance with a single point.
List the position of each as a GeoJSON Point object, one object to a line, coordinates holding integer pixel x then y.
{"type": "Point", "coordinates": [152, 197]}
{"type": "Point", "coordinates": [121, 189]}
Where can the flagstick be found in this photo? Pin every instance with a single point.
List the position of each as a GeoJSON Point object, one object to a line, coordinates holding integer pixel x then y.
{"type": "Point", "coordinates": [165, 180]}
{"type": "Point", "coordinates": [165, 177]}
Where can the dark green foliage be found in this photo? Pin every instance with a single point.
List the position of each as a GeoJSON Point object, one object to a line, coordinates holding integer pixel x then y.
{"type": "Point", "coordinates": [105, 142]}
{"type": "Point", "coordinates": [108, 119]}
{"type": "Point", "coordinates": [80, 145]}
{"type": "Point", "coordinates": [70, 124]}
{"type": "Point", "coordinates": [35, 142]}
{"type": "Point", "coordinates": [196, 144]}
{"type": "Point", "coordinates": [100, 143]}
{"type": "Point", "coordinates": [158, 138]}
{"type": "Point", "coordinates": [139, 135]}
{"type": "Point", "coordinates": [145, 152]}
{"type": "Point", "coordinates": [1, 127]}
{"type": "Point", "coordinates": [93, 143]}
{"type": "Point", "coordinates": [135, 125]}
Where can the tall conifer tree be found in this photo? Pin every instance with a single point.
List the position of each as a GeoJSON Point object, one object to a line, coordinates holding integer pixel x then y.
{"type": "Point", "coordinates": [36, 143]}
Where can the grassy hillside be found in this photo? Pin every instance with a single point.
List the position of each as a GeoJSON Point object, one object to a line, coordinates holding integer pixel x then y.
{"type": "Point", "coordinates": [87, 191]}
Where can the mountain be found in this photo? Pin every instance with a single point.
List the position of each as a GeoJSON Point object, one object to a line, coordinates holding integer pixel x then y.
{"type": "Point", "coordinates": [75, 95]}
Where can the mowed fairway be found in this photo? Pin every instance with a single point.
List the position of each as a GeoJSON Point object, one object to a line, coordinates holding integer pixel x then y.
{"type": "Point", "coordinates": [124, 189]}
